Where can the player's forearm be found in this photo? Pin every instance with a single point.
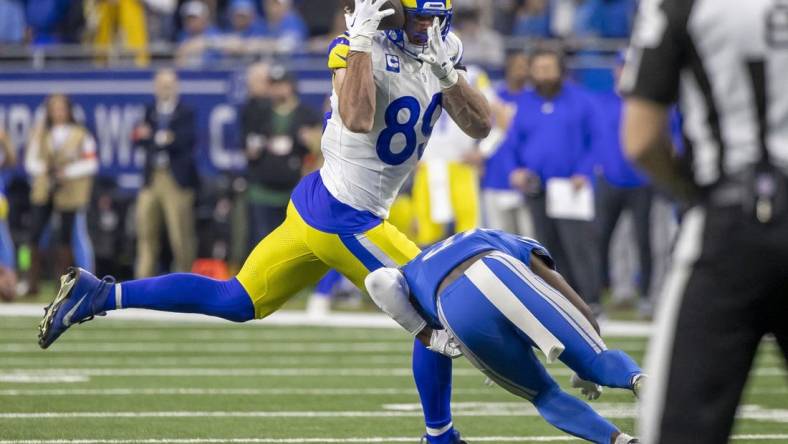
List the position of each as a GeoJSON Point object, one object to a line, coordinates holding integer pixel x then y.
{"type": "Point", "coordinates": [468, 108]}
{"type": "Point", "coordinates": [555, 280]}
{"type": "Point", "coordinates": [357, 96]}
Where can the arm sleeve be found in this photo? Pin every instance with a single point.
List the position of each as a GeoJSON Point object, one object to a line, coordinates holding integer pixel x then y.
{"type": "Point", "coordinates": [513, 141]}
{"type": "Point", "coordinates": [337, 52]}
{"type": "Point", "coordinates": [87, 164]}
{"type": "Point", "coordinates": [184, 133]}
{"type": "Point", "coordinates": [389, 290]}
{"type": "Point", "coordinates": [657, 52]}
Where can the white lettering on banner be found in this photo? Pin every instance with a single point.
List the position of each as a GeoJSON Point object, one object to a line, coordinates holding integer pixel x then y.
{"type": "Point", "coordinates": [222, 157]}
{"type": "Point", "coordinates": [113, 124]}
{"type": "Point", "coordinates": [114, 127]}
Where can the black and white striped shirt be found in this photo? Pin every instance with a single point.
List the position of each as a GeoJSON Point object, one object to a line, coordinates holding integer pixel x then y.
{"type": "Point", "coordinates": [726, 62]}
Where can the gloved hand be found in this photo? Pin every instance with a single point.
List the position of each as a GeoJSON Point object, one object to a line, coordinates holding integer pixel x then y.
{"type": "Point", "coordinates": [589, 389]}
{"type": "Point", "coordinates": [436, 56]}
{"type": "Point", "coordinates": [441, 342]}
{"type": "Point", "coordinates": [363, 23]}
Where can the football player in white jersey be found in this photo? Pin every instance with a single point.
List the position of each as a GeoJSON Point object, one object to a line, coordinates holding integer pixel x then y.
{"type": "Point", "coordinates": [389, 89]}
{"type": "Point", "coordinates": [446, 184]}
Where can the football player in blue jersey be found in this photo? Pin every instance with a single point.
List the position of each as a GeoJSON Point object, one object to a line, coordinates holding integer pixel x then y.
{"type": "Point", "coordinates": [494, 297]}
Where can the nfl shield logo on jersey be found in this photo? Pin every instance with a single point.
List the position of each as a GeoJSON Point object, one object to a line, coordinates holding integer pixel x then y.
{"type": "Point", "coordinates": [392, 63]}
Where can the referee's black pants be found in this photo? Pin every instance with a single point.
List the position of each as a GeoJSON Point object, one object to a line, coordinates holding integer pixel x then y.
{"type": "Point", "coordinates": [727, 288]}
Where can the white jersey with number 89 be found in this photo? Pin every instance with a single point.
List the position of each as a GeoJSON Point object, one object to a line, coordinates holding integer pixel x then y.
{"type": "Point", "coordinates": [366, 171]}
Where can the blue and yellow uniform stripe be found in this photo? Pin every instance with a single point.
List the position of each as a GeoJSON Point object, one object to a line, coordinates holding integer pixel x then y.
{"type": "Point", "coordinates": [318, 234]}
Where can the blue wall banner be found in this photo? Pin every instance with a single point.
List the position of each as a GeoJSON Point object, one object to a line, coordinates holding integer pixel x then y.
{"type": "Point", "coordinates": [112, 103]}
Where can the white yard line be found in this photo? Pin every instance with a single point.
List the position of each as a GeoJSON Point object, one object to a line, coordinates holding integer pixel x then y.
{"type": "Point", "coordinates": [237, 347]}
{"type": "Point", "coordinates": [275, 371]}
{"type": "Point", "coordinates": [407, 439]}
{"type": "Point", "coordinates": [231, 392]}
{"type": "Point", "coordinates": [239, 372]}
{"type": "Point", "coordinates": [213, 347]}
{"type": "Point", "coordinates": [466, 409]}
{"type": "Point", "coordinates": [299, 318]}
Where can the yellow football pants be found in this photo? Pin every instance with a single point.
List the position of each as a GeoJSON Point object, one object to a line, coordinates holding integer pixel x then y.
{"type": "Point", "coordinates": [296, 255]}
{"type": "Point", "coordinates": [463, 197]}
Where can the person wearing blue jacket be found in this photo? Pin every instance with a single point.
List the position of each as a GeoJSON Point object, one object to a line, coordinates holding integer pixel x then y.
{"type": "Point", "coordinates": [552, 136]}
{"type": "Point", "coordinates": [620, 187]}
{"type": "Point", "coordinates": [504, 207]}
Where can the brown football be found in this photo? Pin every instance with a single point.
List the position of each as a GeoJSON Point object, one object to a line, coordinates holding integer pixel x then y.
{"type": "Point", "coordinates": [394, 21]}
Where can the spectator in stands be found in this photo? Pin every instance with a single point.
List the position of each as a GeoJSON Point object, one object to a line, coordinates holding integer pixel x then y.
{"type": "Point", "coordinates": [482, 45]}
{"type": "Point", "coordinates": [283, 27]}
{"type": "Point", "coordinates": [168, 136]}
{"type": "Point", "coordinates": [278, 138]}
{"type": "Point", "coordinates": [532, 19]}
{"type": "Point", "coordinates": [12, 22]}
{"type": "Point", "coordinates": [245, 25]}
{"type": "Point", "coordinates": [244, 20]}
{"type": "Point", "coordinates": [121, 23]}
{"type": "Point", "coordinates": [621, 187]}
{"type": "Point", "coordinates": [504, 207]}
{"type": "Point", "coordinates": [552, 135]}
{"type": "Point", "coordinates": [55, 21]}
{"type": "Point", "coordinates": [61, 161]}
{"type": "Point", "coordinates": [198, 41]}
{"type": "Point", "coordinates": [160, 20]}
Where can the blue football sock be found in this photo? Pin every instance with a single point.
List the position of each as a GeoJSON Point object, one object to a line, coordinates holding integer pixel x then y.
{"type": "Point", "coordinates": [326, 285]}
{"type": "Point", "coordinates": [185, 293]}
{"type": "Point", "coordinates": [573, 416]}
{"type": "Point", "coordinates": [432, 372]}
{"type": "Point", "coordinates": [611, 368]}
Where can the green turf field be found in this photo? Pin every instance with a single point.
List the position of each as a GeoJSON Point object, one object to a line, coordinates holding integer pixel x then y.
{"type": "Point", "coordinates": [117, 381]}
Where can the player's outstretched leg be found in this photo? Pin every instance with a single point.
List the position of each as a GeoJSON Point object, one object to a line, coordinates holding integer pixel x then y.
{"type": "Point", "coordinates": [492, 342]}
{"type": "Point", "coordinates": [584, 350]}
{"type": "Point", "coordinates": [82, 296]}
{"type": "Point", "coordinates": [432, 373]}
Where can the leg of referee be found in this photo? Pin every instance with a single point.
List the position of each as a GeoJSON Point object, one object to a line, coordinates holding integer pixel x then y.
{"type": "Point", "coordinates": [708, 330]}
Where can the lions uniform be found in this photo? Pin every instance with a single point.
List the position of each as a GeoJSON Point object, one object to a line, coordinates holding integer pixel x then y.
{"type": "Point", "coordinates": [498, 310]}
{"type": "Point", "coordinates": [446, 189]}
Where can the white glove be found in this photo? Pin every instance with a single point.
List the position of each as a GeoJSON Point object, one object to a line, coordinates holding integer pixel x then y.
{"type": "Point", "coordinates": [363, 23]}
{"type": "Point", "coordinates": [589, 389]}
{"type": "Point", "coordinates": [441, 342]}
{"type": "Point", "coordinates": [436, 56]}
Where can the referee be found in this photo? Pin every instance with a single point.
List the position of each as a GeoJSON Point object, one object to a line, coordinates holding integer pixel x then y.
{"type": "Point", "coordinates": [726, 62]}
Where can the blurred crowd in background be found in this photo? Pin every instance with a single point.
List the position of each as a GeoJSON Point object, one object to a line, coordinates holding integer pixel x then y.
{"type": "Point", "coordinates": [206, 31]}
{"type": "Point", "coordinates": [549, 126]}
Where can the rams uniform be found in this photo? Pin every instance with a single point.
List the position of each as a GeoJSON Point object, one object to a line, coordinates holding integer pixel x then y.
{"type": "Point", "coordinates": [446, 189]}
{"type": "Point", "coordinates": [337, 216]}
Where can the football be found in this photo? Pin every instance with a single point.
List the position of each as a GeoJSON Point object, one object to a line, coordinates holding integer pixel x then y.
{"type": "Point", "coordinates": [394, 21]}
